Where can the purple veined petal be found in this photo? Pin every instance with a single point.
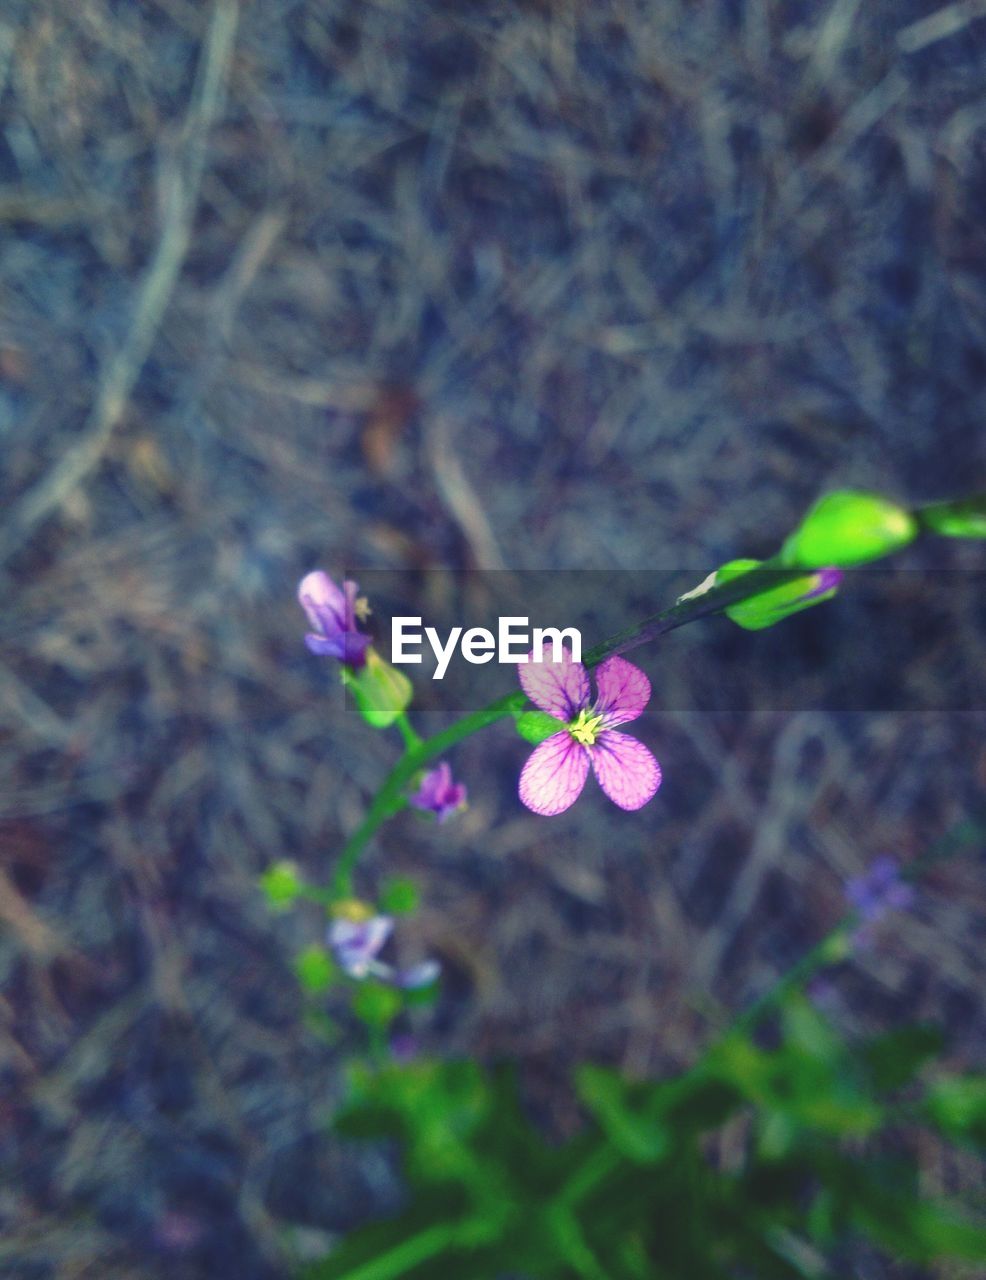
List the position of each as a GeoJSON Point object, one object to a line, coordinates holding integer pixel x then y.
{"type": "Point", "coordinates": [626, 769]}
{"type": "Point", "coordinates": [554, 775]}
{"type": "Point", "coordinates": [318, 593]}
{"type": "Point", "coordinates": [419, 975]}
{"type": "Point", "coordinates": [560, 688]}
{"type": "Point", "coordinates": [622, 691]}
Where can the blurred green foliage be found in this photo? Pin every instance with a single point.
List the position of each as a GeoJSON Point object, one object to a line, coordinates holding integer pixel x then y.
{"type": "Point", "coordinates": [765, 1160]}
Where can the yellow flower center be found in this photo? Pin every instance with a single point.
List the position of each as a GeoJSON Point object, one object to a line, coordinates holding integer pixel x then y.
{"type": "Point", "coordinates": [351, 909]}
{"type": "Point", "coordinates": [586, 728]}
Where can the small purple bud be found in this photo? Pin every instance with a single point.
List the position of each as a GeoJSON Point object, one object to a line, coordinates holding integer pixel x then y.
{"type": "Point", "coordinates": [876, 893]}
{"type": "Point", "coordinates": [438, 794]}
{"type": "Point", "coordinates": [332, 612]}
{"type": "Point", "coordinates": [404, 1047]}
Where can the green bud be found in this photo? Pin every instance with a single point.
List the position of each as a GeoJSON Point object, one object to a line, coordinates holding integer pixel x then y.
{"type": "Point", "coordinates": [535, 726]}
{"type": "Point", "coordinates": [775, 603]}
{"type": "Point", "coordinates": [965, 519]}
{"type": "Point", "coordinates": [380, 690]}
{"type": "Point", "coordinates": [315, 969]}
{"type": "Point", "coordinates": [376, 1005]}
{"type": "Point", "coordinates": [399, 897]}
{"type": "Point", "coordinates": [281, 885]}
{"type": "Point", "coordinates": [958, 1103]}
{"type": "Point", "coordinates": [848, 528]}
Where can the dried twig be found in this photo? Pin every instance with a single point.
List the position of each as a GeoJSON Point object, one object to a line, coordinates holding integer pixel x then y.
{"type": "Point", "coordinates": [181, 179]}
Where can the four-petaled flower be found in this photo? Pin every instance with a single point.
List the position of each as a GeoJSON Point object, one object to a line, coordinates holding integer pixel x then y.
{"type": "Point", "coordinates": [555, 773]}
{"type": "Point", "coordinates": [333, 612]}
{"type": "Point", "coordinates": [356, 937]}
{"type": "Point", "coordinates": [438, 793]}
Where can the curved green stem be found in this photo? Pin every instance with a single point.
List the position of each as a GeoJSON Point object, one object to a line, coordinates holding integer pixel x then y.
{"type": "Point", "coordinates": [390, 799]}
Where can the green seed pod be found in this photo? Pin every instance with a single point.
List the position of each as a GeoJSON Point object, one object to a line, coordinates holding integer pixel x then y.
{"type": "Point", "coordinates": [776, 603]}
{"type": "Point", "coordinates": [848, 528]}
{"type": "Point", "coordinates": [380, 690]}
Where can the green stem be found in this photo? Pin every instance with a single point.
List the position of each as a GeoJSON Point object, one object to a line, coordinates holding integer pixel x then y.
{"type": "Point", "coordinates": [390, 799]}
{"type": "Point", "coordinates": [965, 517]}
{"type": "Point", "coordinates": [407, 1255]}
{"type": "Point", "coordinates": [411, 738]}
{"type": "Point", "coordinates": [771, 573]}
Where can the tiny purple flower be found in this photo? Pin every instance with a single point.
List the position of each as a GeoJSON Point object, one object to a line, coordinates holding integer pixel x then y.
{"type": "Point", "coordinates": [438, 793]}
{"type": "Point", "coordinates": [555, 773]}
{"type": "Point", "coordinates": [404, 1047]}
{"type": "Point", "coordinates": [332, 612]}
{"type": "Point", "coordinates": [879, 891]}
{"type": "Point", "coordinates": [356, 945]}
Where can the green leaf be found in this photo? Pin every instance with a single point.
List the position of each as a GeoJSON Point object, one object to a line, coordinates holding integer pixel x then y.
{"type": "Point", "coordinates": [963, 519]}
{"type": "Point", "coordinates": [848, 528]}
{"type": "Point", "coordinates": [380, 691]}
{"type": "Point", "coordinates": [281, 885]}
{"type": "Point", "coordinates": [318, 1022]}
{"type": "Point", "coordinates": [315, 969]}
{"type": "Point", "coordinates": [957, 1104]}
{"type": "Point", "coordinates": [894, 1059]}
{"type": "Point", "coordinates": [535, 726]}
{"type": "Point", "coordinates": [630, 1130]}
{"type": "Point", "coordinates": [399, 897]}
{"type": "Point", "coordinates": [376, 1004]}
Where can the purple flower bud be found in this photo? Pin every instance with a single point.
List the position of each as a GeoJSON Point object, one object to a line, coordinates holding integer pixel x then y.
{"type": "Point", "coordinates": [403, 1047]}
{"type": "Point", "coordinates": [438, 794]}
{"type": "Point", "coordinates": [875, 894]}
{"type": "Point", "coordinates": [332, 613]}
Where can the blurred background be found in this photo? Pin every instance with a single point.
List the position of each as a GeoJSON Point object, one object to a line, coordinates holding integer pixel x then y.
{"type": "Point", "coordinates": [543, 285]}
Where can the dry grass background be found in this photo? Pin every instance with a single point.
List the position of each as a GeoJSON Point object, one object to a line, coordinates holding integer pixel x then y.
{"type": "Point", "coordinates": [544, 285]}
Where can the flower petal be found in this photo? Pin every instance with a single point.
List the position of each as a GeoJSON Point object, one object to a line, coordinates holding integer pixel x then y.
{"type": "Point", "coordinates": [554, 774]}
{"type": "Point", "coordinates": [325, 646]}
{"type": "Point", "coordinates": [623, 691]}
{"type": "Point", "coordinates": [626, 769]}
{"type": "Point", "coordinates": [317, 593]}
{"type": "Point", "coordinates": [355, 943]}
{"type": "Point", "coordinates": [419, 975]}
{"type": "Point", "coordinates": [560, 688]}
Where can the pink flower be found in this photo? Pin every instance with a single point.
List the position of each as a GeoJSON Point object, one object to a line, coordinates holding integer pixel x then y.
{"type": "Point", "coordinates": [438, 793]}
{"type": "Point", "coordinates": [555, 773]}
